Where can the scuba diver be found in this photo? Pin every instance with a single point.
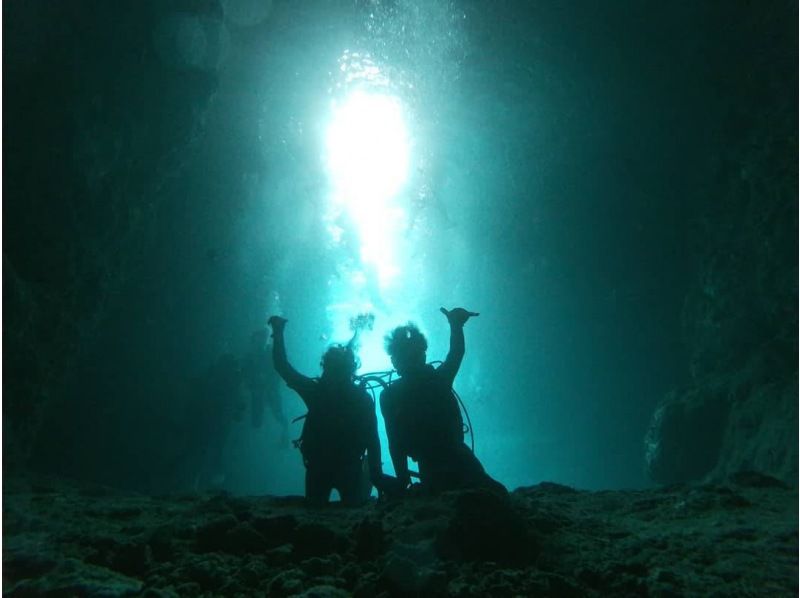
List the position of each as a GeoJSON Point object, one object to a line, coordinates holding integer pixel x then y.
{"type": "Point", "coordinates": [262, 383]}
{"type": "Point", "coordinates": [214, 407]}
{"type": "Point", "coordinates": [340, 426]}
{"type": "Point", "coordinates": [422, 416]}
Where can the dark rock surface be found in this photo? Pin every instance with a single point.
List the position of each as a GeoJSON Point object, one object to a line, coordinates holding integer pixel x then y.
{"type": "Point", "coordinates": [736, 538]}
{"type": "Point", "coordinates": [90, 162]}
{"type": "Point", "coordinates": [740, 317]}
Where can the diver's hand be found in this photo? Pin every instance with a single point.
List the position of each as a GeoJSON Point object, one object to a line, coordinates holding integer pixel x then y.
{"type": "Point", "coordinates": [458, 316]}
{"type": "Point", "coordinates": [278, 323]}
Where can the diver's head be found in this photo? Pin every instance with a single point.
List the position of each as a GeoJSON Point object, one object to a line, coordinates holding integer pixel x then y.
{"type": "Point", "coordinates": [406, 345]}
{"type": "Point", "coordinates": [339, 364]}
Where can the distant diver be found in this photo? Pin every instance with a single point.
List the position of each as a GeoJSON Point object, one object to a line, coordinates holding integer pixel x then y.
{"type": "Point", "coordinates": [262, 383]}
{"type": "Point", "coordinates": [214, 407]}
{"type": "Point", "coordinates": [341, 425]}
{"type": "Point", "coordinates": [422, 416]}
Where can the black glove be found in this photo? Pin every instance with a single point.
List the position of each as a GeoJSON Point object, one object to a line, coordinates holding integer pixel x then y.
{"type": "Point", "coordinates": [458, 316]}
{"type": "Point", "coordinates": [277, 323]}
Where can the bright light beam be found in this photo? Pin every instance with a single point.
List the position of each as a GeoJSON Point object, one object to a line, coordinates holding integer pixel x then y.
{"type": "Point", "coordinates": [367, 147]}
{"type": "Point", "coordinates": [368, 156]}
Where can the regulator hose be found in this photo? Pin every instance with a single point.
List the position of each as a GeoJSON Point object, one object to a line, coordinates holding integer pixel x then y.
{"type": "Point", "coordinates": [372, 380]}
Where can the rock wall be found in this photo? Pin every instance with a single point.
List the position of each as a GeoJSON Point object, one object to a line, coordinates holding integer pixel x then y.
{"type": "Point", "coordinates": [100, 116]}
{"type": "Point", "coordinates": [740, 314]}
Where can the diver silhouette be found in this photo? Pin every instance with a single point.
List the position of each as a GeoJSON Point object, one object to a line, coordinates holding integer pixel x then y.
{"type": "Point", "coordinates": [262, 383]}
{"type": "Point", "coordinates": [214, 406]}
{"type": "Point", "coordinates": [340, 426]}
{"type": "Point", "coordinates": [421, 413]}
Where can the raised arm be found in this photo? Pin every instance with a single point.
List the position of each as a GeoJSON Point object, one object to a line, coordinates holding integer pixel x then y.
{"type": "Point", "coordinates": [291, 376]}
{"type": "Point", "coordinates": [456, 317]}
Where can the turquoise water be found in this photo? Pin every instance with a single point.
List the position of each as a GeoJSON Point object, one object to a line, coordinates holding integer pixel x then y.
{"type": "Point", "coordinates": [212, 164]}
{"type": "Point", "coordinates": [444, 154]}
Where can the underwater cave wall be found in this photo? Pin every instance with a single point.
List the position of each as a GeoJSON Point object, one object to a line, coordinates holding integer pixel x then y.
{"type": "Point", "coordinates": [103, 107]}
{"type": "Point", "coordinates": [740, 315]}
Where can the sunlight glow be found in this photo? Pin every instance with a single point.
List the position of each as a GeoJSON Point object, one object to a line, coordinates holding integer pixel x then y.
{"type": "Point", "coordinates": [368, 156]}
{"type": "Point", "coordinates": [368, 148]}
{"type": "Point", "coordinates": [367, 151]}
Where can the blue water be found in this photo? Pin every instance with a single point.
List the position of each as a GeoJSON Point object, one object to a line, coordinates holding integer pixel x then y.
{"type": "Point", "coordinates": [317, 160]}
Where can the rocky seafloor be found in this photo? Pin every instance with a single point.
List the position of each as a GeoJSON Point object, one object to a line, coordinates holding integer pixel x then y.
{"type": "Point", "coordinates": [739, 538]}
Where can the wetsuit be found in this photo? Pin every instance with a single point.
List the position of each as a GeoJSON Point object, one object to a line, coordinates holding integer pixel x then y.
{"type": "Point", "coordinates": [340, 426]}
{"type": "Point", "coordinates": [423, 421]}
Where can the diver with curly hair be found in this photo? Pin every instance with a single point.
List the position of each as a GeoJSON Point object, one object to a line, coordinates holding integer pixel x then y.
{"type": "Point", "coordinates": [421, 413]}
{"type": "Point", "coordinates": [340, 426]}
